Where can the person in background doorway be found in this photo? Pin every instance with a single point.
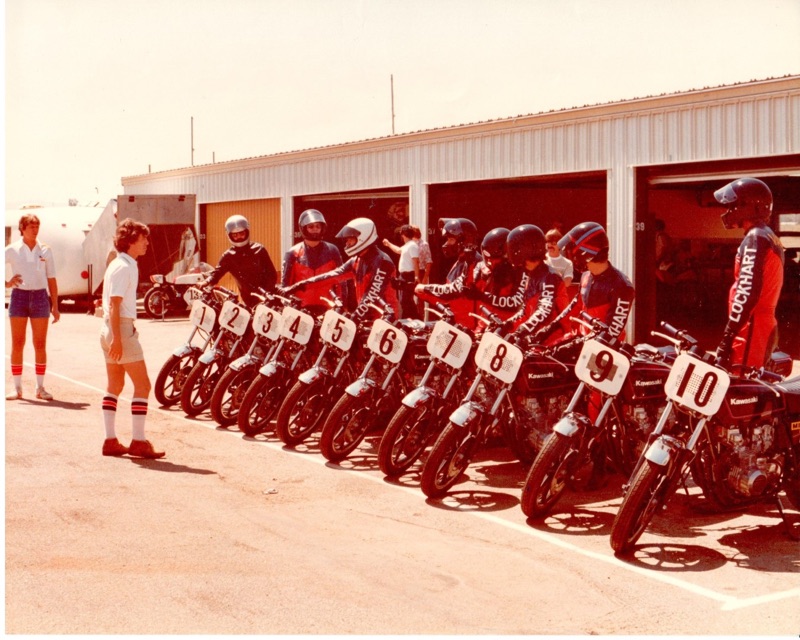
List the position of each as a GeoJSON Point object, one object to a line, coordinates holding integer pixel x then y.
{"type": "Point", "coordinates": [119, 341]}
{"type": "Point", "coordinates": [558, 263]}
{"type": "Point", "coordinates": [34, 275]}
{"type": "Point", "coordinates": [751, 333]}
{"type": "Point", "coordinates": [408, 269]}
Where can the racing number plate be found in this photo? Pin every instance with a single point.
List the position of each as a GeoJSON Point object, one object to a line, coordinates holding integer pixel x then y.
{"type": "Point", "coordinates": [498, 358]}
{"type": "Point", "coordinates": [602, 367]}
{"type": "Point", "coordinates": [448, 344]}
{"type": "Point", "coordinates": [234, 317]}
{"type": "Point", "coordinates": [267, 322]}
{"type": "Point", "coordinates": [387, 341]}
{"type": "Point", "coordinates": [192, 293]}
{"type": "Point", "coordinates": [338, 330]}
{"type": "Point", "coordinates": [296, 325]}
{"type": "Point", "coordinates": [697, 385]}
{"type": "Point", "coordinates": [202, 316]}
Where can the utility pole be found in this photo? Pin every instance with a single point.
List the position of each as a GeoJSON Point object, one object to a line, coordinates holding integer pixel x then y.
{"type": "Point", "coordinates": [192, 138]}
{"type": "Point", "coordinates": [391, 81]}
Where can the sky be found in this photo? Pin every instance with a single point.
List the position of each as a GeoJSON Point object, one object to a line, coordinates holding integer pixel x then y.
{"type": "Point", "coordinates": [97, 89]}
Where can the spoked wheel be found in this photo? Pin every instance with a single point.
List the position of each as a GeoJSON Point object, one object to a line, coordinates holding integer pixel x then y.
{"type": "Point", "coordinates": [156, 303]}
{"type": "Point", "coordinates": [228, 395]}
{"type": "Point", "coordinates": [549, 475]}
{"type": "Point", "coordinates": [347, 425]}
{"type": "Point", "coordinates": [171, 378]}
{"type": "Point", "coordinates": [302, 412]}
{"type": "Point", "coordinates": [647, 493]}
{"type": "Point", "coordinates": [406, 437]}
{"type": "Point", "coordinates": [199, 386]}
{"type": "Point", "coordinates": [261, 403]}
{"type": "Point", "coordinates": [448, 459]}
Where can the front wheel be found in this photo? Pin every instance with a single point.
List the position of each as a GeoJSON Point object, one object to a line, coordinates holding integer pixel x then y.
{"type": "Point", "coordinates": [156, 303]}
{"type": "Point", "coordinates": [646, 494]}
{"type": "Point", "coordinates": [347, 425]}
{"type": "Point", "coordinates": [405, 438]}
{"type": "Point", "coordinates": [260, 403]}
{"type": "Point", "coordinates": [302, 412]}
{"type": "Point", "coordinates": [548, 475]}
{"type": "Point", "coordinates": [228, 395]}
{"type": "Point", "coordinates": [448, 459]}
{"type": "Point", "coordinates": [171, 378]}
{"type": "Point", "coordinates": [199, 386]}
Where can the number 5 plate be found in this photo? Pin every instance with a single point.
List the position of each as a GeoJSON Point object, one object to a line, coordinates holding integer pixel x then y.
{"type": "Point", "coordinates": [498, 358]}
{"type": "Point", "coordinates": [267, 322]}
{"type": "Point", "coordinates": [448, 344]}
{"type": "Point", "coordinates": [338, 330]}
{"type": "Point", "coordinates": [296, 325]}
{"type": "Point", "coordinates": [387, 341]}
{"type": "Point", "coordinates": [601, 367]}
{"type": "Point", "coordinates": [234, 317]}
{"type": "Point", "coordinates": [202, 316]}
{"type": "Point", "coordinates": [697, 385]}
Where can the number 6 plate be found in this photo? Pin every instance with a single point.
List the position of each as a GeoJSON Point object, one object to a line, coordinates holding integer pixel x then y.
{"type": "Point", "coordinates": [234, 317]}
{"type": "Point", "coordinates": [498, 358]}
{"type": "Point", "coordinates": [387, 341]}
{"type": "Point", "coordinates": [697, 385]}
{"type": "Point", "coordinates": [448, 344]}
{"type": "Point", "coordinates": [338, 330]}
{"type": "Point", "coordinates": [601, 367]}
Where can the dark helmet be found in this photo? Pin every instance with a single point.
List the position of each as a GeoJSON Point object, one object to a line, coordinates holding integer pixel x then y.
{"type": "Point", "coordinates": [310, 216]}
{"type": "Point", "coordinates": [463, 230]}
{"type": "Point", "coordinates": [584, 243]}
{"type": "Point", "coordinates": [235, 224]}
{"type": "Point", "coordinates": [363, 230]}
{"type": "Point", "coordinates": [494, 244]}
{"type": "Point", "coordinates": [746, 199]}
{"type": "Point", "coordinates": [526, 242]}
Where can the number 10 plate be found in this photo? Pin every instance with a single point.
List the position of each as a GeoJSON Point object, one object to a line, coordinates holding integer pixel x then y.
{"type": "Point", "coordinates": [697, 385]}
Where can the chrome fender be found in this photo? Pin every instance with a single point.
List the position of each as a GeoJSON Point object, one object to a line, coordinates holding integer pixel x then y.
{"type": "Point", "coordinates": [660, 451]}
{"type": "Point", "coordinates": [571, 423]}
{"type": "Point", "coordinates": [418, 396]}
{"type": "Point", "coordinates": [269, 369]}
{"type": "Point", "coordinates": [465, 413]}
{"type": "Point", "coordinates": [243, 361]}
{"type": "Point", "coordinates": [360, 387]}
{"type": "Point", "coordinates": [210, 356]}
{"type": "Point", "coordinates": [310, 376]}
{"type": "Point", "coordinates": [183, 350]}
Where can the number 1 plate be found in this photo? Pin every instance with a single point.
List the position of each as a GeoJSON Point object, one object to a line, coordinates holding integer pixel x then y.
{"type": "Point", "coordinates": [448, 344]}
{"type": "Point", "coordinates": [202, 316]}
{"type": "Point", "coordinates": [387, 341]}
{"type": "Point", "coordinates": [602, 367]}
{"type": "Point", "coordinates": [498, 358]}
{"type": "Point", "coordinates": [697, 385]}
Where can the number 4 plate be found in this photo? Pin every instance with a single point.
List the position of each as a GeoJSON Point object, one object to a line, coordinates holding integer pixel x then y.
{"type": "Point", "coordinates": [448, 344]}
{"type": "Point", "coordinates": [498, 358]}
{"type": "Point", "coordinates": [338, 330]}
{"type": "Point", "coordinates": [296, 325]}
{"type": "Point", "coordinates": [601, 367]}
{"type": "Point", "coordinates": [387, 341]}
{"type": "Point", "coordinates": [697, 385]}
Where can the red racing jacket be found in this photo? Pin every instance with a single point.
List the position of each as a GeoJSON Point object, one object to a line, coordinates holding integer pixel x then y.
{"type": "Point", "coordinates": [302, 262]}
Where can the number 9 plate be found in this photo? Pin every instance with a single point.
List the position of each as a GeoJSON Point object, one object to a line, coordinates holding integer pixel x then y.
{"type": "Point", "coordinates": [498, 358]}
{"type": "Point", "coordinates": [601, 367]}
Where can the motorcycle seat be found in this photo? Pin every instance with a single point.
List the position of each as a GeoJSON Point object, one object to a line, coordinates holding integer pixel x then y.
{"type": "Point", "coordinates": [791, 390]}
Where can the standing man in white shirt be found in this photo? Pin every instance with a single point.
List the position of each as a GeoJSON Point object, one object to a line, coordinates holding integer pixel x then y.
{"type": "Point", "coordinates": [34, 274]}
{"type": "Point", "coordinates": [120, 341]}
{"type": "Point", "coordinates": [408, 269]}
{"type": "Point", "coordinates": [558, 263]}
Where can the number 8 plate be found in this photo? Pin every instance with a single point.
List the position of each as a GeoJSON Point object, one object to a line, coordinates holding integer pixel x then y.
{"type": "Point", "coordinates": [697, 385]}
{"type": "Point", "coordinates": [498, 358]}
{"type": "Point", "coordinates": [601, 367]}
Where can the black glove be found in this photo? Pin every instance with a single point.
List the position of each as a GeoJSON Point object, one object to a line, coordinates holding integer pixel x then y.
{"type": "Point", "coordinates": [472, 293]}
{"type": "Point", "coordinates": [725, 350]}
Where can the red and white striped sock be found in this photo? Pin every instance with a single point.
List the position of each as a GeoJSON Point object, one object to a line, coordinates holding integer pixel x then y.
{"type": "Point", "coordinates": [16, 374]}
{"type": "Point", "coordinates": [110, 415]}
{"type": "Point", "coordinates": [40, 369]}
{"type": "Point", "coordinates": [138, 415]}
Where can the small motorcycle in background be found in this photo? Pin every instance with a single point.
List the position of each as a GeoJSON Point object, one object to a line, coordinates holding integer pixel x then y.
{"type": "Point", "coordinates": [166, 297]}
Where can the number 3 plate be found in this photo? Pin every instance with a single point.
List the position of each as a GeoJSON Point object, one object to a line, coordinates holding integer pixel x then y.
{"type": "Point", "coordinates": [387, 341]}
{"type": "Point", "coordinates": [267, 322]}
{"type": "Point", "coordinates": [498, 358]}
{"type": "Point", "coordinates": [697, 385]}
{"type": "Point", "coordinates": [601, 367]}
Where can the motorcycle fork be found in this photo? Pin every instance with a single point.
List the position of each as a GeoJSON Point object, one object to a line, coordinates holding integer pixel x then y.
{"type": "Point", "coordinates": [654, 435]}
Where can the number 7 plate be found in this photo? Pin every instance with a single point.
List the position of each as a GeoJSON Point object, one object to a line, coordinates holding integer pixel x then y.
{"type": "Point", "coordinates": [448, 344]}
{"type": "Point", "coordinates": [602, 367]}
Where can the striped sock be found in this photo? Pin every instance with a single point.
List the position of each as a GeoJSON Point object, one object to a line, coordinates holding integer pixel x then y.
{"type": "Point", "coordinates": [40, 369]}
{"type": "Point", "coordinates": [110, 415]}
{"type": "Point", "coordinates": [16, 374]}
{"type": "Point", "coordinates": [138, 415]}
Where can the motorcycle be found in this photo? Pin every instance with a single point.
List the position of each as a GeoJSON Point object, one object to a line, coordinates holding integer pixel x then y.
{"type": "Point", "coordinates": [522, 394]}
{"type": "Point", "coordinates": [166, 297]}
{"type": "Point", "coordinates": [397, 356]}
{"type": "Point", "coordinates": [205, 328]}
{"type": "Point", "coordinates": [423, 411]}
{"type": "Point", "coordinates": [738, 435]}
{"type": "Point", "coordinates": [341, 356]}
{"type": "Point", "coordinates": [297, 344]}
{"type": "Point", "coordinates": [625, 385]}
{"type": "Point", "coordinates": [234, 332]}
{"type": "Point", "coordinates": [228, 394]}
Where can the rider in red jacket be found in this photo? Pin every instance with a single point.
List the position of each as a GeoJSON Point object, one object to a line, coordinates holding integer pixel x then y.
{"type": "Point", "coordinates": [751, 334]}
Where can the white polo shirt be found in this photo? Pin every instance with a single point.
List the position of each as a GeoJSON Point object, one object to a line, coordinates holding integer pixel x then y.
{"type": "Point", "coordinates": [408, 251]}
{"type": "Point", "coordinates": [34, 265]}
{"type": "Point", "coordinates": [121, 280]}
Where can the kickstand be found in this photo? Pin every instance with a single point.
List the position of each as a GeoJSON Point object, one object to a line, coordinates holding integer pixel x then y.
{"type": "Point", "coordinates": [792, 525]}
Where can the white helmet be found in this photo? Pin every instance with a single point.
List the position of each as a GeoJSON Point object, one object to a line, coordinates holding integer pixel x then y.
{"type": "Point", "coordinates": [363, 230]}
{"type": "Point", "coordinates": [235, 224]}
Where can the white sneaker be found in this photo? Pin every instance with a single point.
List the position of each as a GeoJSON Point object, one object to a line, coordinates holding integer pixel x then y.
{"type": "Point", "coordinates": [41, 394]}
{"type": "Point", "coordinates": [15, 395]}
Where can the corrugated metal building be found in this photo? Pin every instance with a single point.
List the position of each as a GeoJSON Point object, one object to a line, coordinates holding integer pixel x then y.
{"type": "Point", "coordinates": [623, 164]}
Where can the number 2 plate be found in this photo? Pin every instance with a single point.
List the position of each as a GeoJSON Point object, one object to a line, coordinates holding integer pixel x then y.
{"type": "Point", "coordinates": [602, 367]}
{"type": "Point", "coordinates": [498, 358]}
{"type": "Point", "coordinates": [697, 385]}
{"type": "Point", "coordinates": [267, 322]}
{"type": "Point", "coordinates": [296, 325]}
{"type": "Point", "coordinates": [387, 341]}
{"type": "Point", "coordinates": [338, 330]}
{"type": "Point", "coordinates": [448, 344]}
{"type": "Point", "coordinates": [202, 316]}
{"type": "Point", "coordinates": [234, 317]}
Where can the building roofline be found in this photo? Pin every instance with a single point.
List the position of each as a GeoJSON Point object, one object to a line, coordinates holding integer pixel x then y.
{"type": "Point", "coordinates": [593, 111]}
